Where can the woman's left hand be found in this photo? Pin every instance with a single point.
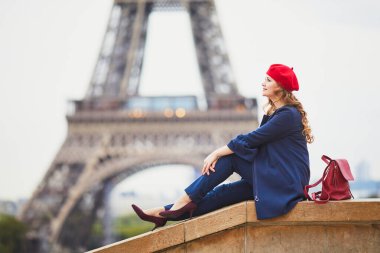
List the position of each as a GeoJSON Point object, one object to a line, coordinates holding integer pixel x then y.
{"type": "Point", "coordinates": [209, 163]}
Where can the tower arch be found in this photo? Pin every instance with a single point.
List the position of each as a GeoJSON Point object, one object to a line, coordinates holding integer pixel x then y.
{"type": "Point", "coordinates": [114, 130]}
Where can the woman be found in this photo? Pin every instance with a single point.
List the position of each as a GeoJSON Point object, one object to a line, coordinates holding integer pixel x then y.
{"type": "Point", "coordinates": [273, 161]}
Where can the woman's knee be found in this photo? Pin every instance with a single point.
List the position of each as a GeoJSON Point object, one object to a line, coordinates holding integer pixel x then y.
{"type": "Point", "coordinates": [225, 160]}
{"type": "Point", "coordinates": [217, 194]}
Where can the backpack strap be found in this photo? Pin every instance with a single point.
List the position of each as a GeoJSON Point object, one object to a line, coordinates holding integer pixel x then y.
{"type": "Point", "coordinates": [307, 187]}
{"type": "Point", "coordinates": [327, 160]}
{"type": "Point", "coordinates": [316, 197]}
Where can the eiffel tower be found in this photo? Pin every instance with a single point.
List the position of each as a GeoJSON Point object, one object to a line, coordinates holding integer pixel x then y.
{"type": "Point", "coordinates": [114, 132]}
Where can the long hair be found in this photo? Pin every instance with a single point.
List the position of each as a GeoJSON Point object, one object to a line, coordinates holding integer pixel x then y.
{"type": "Point", "coordinates": [290, 99]}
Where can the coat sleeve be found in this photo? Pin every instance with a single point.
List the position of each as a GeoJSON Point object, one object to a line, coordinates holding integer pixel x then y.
{"type": "Point", "coordinates": [277, 127]}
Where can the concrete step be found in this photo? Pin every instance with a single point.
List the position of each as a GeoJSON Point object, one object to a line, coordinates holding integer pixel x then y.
{"type": "Point", "coordinates": [338, 226]}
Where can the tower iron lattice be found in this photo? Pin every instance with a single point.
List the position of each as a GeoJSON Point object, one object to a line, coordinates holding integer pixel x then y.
{"type": "Point", "coordinates": [114, 132]}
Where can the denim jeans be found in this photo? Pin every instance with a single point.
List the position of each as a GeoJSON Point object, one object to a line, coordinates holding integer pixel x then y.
{"type": "Point", "coordinates": [206, 192]}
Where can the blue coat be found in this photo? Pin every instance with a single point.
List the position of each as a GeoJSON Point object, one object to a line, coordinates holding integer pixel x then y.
{"type": "Point", "coordinates": [280, 161]}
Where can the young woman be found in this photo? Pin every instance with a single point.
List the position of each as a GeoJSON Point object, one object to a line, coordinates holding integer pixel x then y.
{"type": "Point", "coordinates": [273, 161]}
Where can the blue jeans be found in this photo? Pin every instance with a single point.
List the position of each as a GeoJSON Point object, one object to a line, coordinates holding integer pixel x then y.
{"type": "Point", "coordinates": [208, 196]}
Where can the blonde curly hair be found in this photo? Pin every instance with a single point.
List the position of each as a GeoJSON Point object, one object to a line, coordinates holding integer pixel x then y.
{"type": "Point", "coordinates": [290, 99]}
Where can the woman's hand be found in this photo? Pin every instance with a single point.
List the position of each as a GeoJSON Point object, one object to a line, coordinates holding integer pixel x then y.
{"type": "Point", "coordinates": [209, 163]}
{"type": "Point", "coordinates": [211, 159]}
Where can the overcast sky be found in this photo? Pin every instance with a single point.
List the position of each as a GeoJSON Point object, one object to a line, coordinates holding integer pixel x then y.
{"type": "Point", "coordinates": [48, 49]}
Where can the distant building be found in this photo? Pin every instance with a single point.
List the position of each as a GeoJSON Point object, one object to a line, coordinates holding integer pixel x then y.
{"type": "Point", "coordinates": [365, 189]}
{"type": "Point", "coordinates": [363, 186]}
{"type": "Point", "coordinates": [11, 207]}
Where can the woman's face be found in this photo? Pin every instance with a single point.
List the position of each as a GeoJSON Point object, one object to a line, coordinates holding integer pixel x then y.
{"type": "Point", "coordinates": [270, 87]}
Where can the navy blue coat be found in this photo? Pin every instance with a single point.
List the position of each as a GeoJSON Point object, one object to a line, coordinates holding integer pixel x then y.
{"type": "Point", "coordinates": [280, 161]}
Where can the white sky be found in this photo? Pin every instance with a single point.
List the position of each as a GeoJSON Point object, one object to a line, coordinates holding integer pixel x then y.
{"type": "Point", "coordinates": [48, 49]}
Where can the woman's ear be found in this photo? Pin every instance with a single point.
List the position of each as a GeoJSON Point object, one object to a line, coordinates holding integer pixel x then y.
{"type": "Point", "coordinates": [278, 90]}
{"type": "Point", "coordinates": [279, 87]}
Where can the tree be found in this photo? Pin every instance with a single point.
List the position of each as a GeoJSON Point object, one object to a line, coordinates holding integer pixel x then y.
{"type": "Point", "coordinates": [12, 234]}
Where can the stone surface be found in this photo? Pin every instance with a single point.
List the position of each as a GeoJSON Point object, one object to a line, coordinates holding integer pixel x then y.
{"type": "Point", "coordinates": [313, 238]}
{"type": "Point", "coordinates": [227, 241]}
{"type": "Point", "coordinates": [177, 249]}
{"type": "Point", "coordinates": [148, 242]}
{"type": "Point", "coordinates": [333, 211]}
{"type": "Point", "coordinates": [216, 221]}
{"type": "Point", "coordinates": [341, 226]}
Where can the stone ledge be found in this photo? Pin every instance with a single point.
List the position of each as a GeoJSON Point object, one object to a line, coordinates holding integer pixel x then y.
{"type": "Point", "coordinates": [361, 210]}
{"type": "Point", "coordinates": [149, 242]}
{"type": "Point", "coordinates": [231, 225]}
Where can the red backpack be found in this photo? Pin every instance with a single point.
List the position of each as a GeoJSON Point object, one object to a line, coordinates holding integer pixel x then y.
{"type": "Point", "coordinates": [335, 184]}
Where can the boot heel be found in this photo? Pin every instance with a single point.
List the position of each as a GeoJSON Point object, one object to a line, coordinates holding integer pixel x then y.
{"type": "Point", "coordinates": [158, 221]}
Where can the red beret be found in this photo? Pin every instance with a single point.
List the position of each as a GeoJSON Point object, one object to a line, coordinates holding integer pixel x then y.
{"type": "Point", "coordinates": [284, 76]}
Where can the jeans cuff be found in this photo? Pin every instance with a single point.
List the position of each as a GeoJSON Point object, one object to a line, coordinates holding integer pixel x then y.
{"type": "Point", "coordinates": [192, 196]}
{"type": "Point", "coordinates": [167, 207]}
